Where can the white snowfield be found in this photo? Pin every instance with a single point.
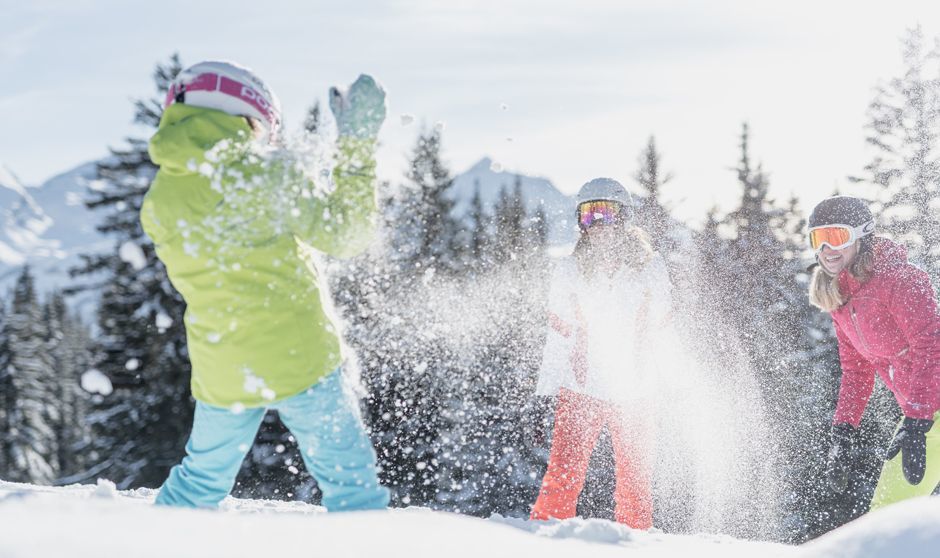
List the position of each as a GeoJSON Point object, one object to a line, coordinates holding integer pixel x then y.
{"type": "Point", "coordinates": [99, 521]}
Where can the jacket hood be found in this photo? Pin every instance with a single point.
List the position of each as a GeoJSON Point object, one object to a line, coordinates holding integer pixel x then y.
{"type": "Point", "coordinates": [186, 132]}
{"type": "Point", "coordinates": [888, 254]}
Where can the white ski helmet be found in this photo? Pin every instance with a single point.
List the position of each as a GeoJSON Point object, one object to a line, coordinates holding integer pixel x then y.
{"type": "Point", "coordinates": [607, 189]}
{"type": "Point", "coordinates": [228, 87]}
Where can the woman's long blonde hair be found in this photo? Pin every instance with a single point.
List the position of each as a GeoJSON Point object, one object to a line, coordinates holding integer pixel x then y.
{"type": "Point", "coordinates": [634, 251]}
{"type": "Point", "coordinates": [824, 290]}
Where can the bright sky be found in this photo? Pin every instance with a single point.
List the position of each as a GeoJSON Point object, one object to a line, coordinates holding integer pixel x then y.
{"type": "Point", "coordinates": [568, 90]}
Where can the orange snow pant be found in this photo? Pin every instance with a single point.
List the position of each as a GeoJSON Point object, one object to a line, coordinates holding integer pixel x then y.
{"type": "Point", "coordinates": [579, 420]}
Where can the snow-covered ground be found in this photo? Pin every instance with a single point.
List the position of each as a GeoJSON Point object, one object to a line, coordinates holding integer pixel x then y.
{"type": "Point", "coordinates": [99, 521]}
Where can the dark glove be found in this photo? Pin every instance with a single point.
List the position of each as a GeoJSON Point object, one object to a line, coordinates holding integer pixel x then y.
{"type": "Point", "coordinates": [844, 438]}
{"type": "Point", "coordinates": [911, 441]}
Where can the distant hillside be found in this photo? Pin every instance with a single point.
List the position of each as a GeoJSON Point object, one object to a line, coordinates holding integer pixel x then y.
{"type": "Point", "coordinates": [47, 227]}
{"type": "Point", "coordinates": [23, 223]}
{"type": "Point", "coordinates": [536, 191]}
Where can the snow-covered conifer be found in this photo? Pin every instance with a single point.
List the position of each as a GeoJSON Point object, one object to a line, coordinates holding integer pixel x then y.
{"type": "Point", "coordinates": [902, 132]}
{"type": "Point", "coordinates": [30, 441]}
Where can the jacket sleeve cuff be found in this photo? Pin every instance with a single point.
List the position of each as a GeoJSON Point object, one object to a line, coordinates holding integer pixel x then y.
{"type": "Point", "coordinates": [848, 416]}
{"type": "Point", "coordinates": [915, 411]}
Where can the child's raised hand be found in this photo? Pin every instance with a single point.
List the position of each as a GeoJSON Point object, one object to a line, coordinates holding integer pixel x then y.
{"type": "Point", "coordinates": [360, 110]}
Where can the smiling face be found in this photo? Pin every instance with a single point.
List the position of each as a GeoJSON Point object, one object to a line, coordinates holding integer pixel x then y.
{"type": "Point", "coordinates": [834, 261]}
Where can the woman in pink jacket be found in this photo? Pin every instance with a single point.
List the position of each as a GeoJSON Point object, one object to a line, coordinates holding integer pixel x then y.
{"type": "Point", "coordinates": [886, 320]}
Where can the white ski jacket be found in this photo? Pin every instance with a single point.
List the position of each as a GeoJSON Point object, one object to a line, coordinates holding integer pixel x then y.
{"type": "Point", "coordinates": [612, 320]}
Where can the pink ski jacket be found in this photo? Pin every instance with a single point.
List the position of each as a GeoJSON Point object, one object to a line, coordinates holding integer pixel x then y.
{"type": "Point", "coordinates": [889, 325]}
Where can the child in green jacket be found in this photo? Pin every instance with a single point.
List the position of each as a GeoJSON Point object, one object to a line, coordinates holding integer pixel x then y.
{"type": "Point", "coordinates": [257, 330]}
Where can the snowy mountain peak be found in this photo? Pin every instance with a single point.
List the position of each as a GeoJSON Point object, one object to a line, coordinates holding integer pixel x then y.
{"type": "Point", "coordinates": [9, 180]}
{"type": "Point", "coordinates": [46, 226]}
{"type": "Point", "coordinates": [483, 165]}
{"type": "Point", "coordinates": [22, 220]}
{"type": "Point", "coordinates": [491, 179]}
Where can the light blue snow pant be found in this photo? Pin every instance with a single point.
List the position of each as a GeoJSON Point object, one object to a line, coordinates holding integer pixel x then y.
{"type": "Point", "coordinates": [325, 422]}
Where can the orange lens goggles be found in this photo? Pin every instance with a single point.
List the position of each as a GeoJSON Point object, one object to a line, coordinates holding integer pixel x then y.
{"type": "Point", "coordinates": [836, 237]}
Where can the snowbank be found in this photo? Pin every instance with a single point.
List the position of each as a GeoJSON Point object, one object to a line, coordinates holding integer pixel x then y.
{"type": "Point", "coordinates": [95, 521]}
{"type": "Point", "coordinates": [907, 530]}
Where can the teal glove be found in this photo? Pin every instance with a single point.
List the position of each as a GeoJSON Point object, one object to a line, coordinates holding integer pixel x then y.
{"type": "Point", "coordinates": [360, 111]}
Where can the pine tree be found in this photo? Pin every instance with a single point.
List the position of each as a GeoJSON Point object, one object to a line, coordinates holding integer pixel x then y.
{"type": "Point", "coordinates": [426, 209]}
{"type": "Point", "coordinates": [759, 262]}
{"type": "Point", "coordinates": [141, 428]}
{"type": "Point", "coordinates": [652, 215]}
{"type": "Point", "coordinates": [312, 122]}
{"type": "Point", "coordinates": [510, 216]}
{"type": "Point", "coordinates": [7, 397]}
{"type": "Point", "coordinates": [479, 234]}
{"type": "Point", "coordinates": [403, 365]}
{"type": "Point", "coordinates": [539, 228]}
{"type": "Point", "coordinates": [446, 357]}
{"type": "Point", "coordinates": [712, 253]}
{"type": "Point", "coordinates": [518, 217]}
{"type": "Point", "coordinates": [30, 441]}
{"type": "Point", "coordinates": [756, 279]}
{"type": "Point", "coordinates": [502, 225]}
{"type": "Point", "coordinates": [488, 461]}
{"type": "Point", "coordinates": [67, 342]}
{"type": "Point", "coordinates": [903, 127]}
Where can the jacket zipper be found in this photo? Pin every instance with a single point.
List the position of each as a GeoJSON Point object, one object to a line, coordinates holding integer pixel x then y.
{"type": "Point", "coordinates": [861, 339]}
{"type": "Point", "coordinates": [858, 331]}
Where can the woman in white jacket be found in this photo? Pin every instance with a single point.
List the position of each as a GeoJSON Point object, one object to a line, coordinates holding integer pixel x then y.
{"type": "Point", "coordinates": [604, 301]}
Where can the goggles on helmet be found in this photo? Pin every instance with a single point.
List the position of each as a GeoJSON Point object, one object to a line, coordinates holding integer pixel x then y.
{"type": "Point", "coordinates": [838, 237]}
{"type": "Point", "coordinates": [245, 99]}
{"type": "Point", "coordinates": [604, 212]}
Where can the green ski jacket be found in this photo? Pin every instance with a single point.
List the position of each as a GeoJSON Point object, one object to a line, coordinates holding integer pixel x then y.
{"type": "Point", "coordinates": [256, 321]}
